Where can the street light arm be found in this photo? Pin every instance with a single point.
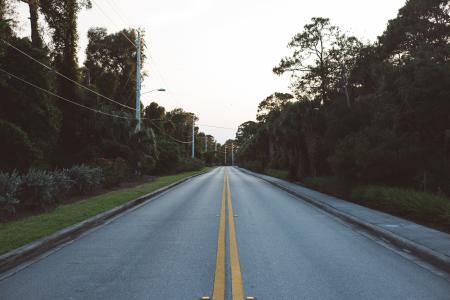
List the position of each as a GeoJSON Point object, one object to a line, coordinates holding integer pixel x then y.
{"type": "Point", "coordinates": [155, 90]}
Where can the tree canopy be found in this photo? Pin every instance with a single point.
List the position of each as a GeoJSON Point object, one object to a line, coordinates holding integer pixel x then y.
{"type": "Point", "coordinates": [370, 113]}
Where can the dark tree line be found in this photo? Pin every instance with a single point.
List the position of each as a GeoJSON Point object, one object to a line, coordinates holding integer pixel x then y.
{"type": "Point", "coordinates": [374, 113]}
{"type": "Point", "coordinates": [40, 130]}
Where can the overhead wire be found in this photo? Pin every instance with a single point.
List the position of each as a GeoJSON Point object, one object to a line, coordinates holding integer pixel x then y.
{"type": "Point", "coordinates": [116, 9]}
{"type": "Point", "coordinates": [213, 126]}
{"type": "Point", "coordinates": [63, 98]}
{"type": "Point", "coordinates": [114, 23]}
{"type": "Point", "coordinates": [168, 135]}
{"type": "Point", "coordinates": [64, 76]}
{"type": "Point", "coordinates": [152, 60]}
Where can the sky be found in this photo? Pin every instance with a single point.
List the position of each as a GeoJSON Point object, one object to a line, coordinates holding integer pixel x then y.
{"type": "Point", "coordinates": [214, 57]}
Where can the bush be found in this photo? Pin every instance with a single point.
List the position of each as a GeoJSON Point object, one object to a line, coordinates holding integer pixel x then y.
{"type": "Point", "coordinates": [17, 150]}
{"type": "Point", "coordinates": [190, 164]}
{"type": "Point", "coordinates": [63, 183]}
{"type": "Point", "coordinates": [330, 185]}
{"type": "Point", "coordinates": [282, 174]}
{"type": "Point", "coordinates": [254, 165]}
{"type": "Point", "coordinates": [9, 188]}
{"type": "Point", "coordinates": [85, 179]}
{"type": "Point", "coordinates": [114, 171]}
{"type": "Point", "coordinates": [418, 205]}
{"type": "Point", "coordinates": [38, 190]}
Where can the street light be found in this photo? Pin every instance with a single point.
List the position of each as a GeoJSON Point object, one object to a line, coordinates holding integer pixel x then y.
{"type": "Point", "coordinates": [155, 90]}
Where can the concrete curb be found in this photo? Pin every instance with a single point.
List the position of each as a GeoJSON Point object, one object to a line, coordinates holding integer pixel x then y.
{"type": "Point", "coordinates": [34, 249]}
{"type": "Point", "coordinates": [437, 259]}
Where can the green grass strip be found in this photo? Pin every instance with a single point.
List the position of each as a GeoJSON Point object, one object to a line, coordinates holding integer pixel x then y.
{"type": "Point", "coordinates": [18, 233]}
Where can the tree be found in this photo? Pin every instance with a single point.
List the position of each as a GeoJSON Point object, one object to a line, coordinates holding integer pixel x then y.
{"type": "Point", "coordinates": [274, 102]}
{"type": "Point", "coordinates": [322, 60]}
{"type": "Point", "coordinates": [111, 64]}
{"type": "Point", "coordinates": [61, 17]}
{"type": "Point", "coordinates": [36, 39]}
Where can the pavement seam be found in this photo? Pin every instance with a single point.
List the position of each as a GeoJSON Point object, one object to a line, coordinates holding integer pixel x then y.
{"type": "Point", "coordinates": [434, 258]}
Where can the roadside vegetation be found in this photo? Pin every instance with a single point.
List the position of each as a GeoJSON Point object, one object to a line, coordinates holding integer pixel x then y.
{"type": "Point", "coordinates": [18, 233]}
{"type": "Point", "coordinates": [67, 128]}
{"type": "Point", "coordinates": [421, 207]}
{"type": "Point", "coordinates": [370, 115]}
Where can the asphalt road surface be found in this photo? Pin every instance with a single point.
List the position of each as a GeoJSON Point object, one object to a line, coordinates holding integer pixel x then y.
{"type": "Point", "coordinates": [230, 235]}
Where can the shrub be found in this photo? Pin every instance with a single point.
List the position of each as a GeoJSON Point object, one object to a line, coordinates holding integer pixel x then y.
{"type": "Point", "coordinates": [9, 187]}
{"type": "Point", "coordinates": [190, 164]}
{"type": "Point", "coordinates": [282, 174]}
{"type": "Point", "coordinates": [419, 205]}
{"type": "Point", "coordinates": [38, 189]}
{"type": "Point", "coordinates": [17, 150]}
{"type": "Point", "coordinates": [114, 171]}
{"type": "Point", "coordinates": [330, 185]}
{"type": "Point", "coordinates": [63, 183]}
{"type": "Point", "coordinates": [85, 178]}
{"type": "Point", "coordinates": [254, 165]}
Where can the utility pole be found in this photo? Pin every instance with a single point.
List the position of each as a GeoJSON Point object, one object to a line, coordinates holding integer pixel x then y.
{"type": "Point", "coordinates": [193, 136]}
{"type": "Point", "coordinates": [232, 154]}
{"type": "Point", "coordinates": [206, 143]}
{"type": "Point", "coordinates": [138, 81]}
{"type": "Point", "coordinates": [225, 154]}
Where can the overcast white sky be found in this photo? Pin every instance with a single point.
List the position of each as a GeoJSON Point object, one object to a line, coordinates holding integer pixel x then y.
{"type": "Point", "coordinates": [215, 57]}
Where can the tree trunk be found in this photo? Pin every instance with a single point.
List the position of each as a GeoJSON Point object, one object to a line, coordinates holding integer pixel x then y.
{"type": "Point", "coordinates": [36, 40]}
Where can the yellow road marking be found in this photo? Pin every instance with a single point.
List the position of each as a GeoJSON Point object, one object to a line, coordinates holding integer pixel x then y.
{"type": "Point", "coordinates": [237, 286]}
{"type": "Point", "coordinates": [219, 277]}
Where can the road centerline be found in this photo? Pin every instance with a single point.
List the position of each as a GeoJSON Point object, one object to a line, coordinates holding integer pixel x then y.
{"type": "Point", "coordinates": [237, 286]}
{"type": "Point", "coordinates": [219, 276]}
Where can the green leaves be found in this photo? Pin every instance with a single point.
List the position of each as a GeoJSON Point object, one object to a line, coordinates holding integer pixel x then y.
{"type": "Point", "coordinates": [321, 61]}
{"type": "Point", "coordinates": [4, 24]}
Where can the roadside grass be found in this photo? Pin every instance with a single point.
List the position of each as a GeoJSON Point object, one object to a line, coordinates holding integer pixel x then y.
{"type": "Point", "coordinates": [424, 208]}
{"type": "Point", "coordinates": [282, 174]}
{"type": "Point", "coordinates": [18, 233]}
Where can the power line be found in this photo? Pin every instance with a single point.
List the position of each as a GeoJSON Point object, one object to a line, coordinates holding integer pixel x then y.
{"type": "Point", "coordinates": [116, 10]}
{"type": "Point", "coordinates": [166, 134]}
{"type": "Point", "coordinates": [213, 126]}
{"type": "Point", "coordinates": [62, 98]}
{"type": "Point", "coordinates": [64, 76]}
{"type": "Point", "coordinates": [114, 23]}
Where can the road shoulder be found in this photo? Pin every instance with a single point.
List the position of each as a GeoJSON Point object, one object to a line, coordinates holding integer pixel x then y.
{"type": "Point", "coordinates": [429, 244]}
{"type": "Point", "coordinates": [40, 246]}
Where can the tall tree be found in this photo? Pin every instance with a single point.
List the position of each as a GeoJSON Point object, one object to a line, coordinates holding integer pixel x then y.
{"type": "Point", "coordinates": [320, 61]}
{"type": "Point", "coordinates": [61, 17]}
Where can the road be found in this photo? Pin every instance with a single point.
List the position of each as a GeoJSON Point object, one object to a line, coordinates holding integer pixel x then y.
{"type": "Point", "coordinates": [221, 230]}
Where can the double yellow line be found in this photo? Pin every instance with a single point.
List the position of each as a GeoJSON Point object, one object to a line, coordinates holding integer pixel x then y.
{"type": "Point", "coordinates": [237, 287]}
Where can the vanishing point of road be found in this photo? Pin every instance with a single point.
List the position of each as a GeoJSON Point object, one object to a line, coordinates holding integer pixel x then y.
{"type": "Point", "coordinates": [226, 235]}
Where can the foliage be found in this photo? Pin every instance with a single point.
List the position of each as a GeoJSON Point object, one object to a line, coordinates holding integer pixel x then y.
{"type": "Point", "coordinates": [425, 208]}
{"type": "Point", "coordinates": [367, 114]}
{"type": "Point", "coordinates": [254, 165]}
{"type": "Point", "coordinates": [18, 233]}
{"type": "Point", "coordinates": [38, 189]}
{"type": "Point", "coordinates": [85, 178]}
{"type": "Point", "coordinates": [114, 171]}
{"type": "Point", "coordinates": [9, 189]}
{"type": "Point", "coordinates": [190, 164]}
{"type": "Point", "coordinates": [418, 205]}
{"type": "Point", "coordinates": [17, 151]}
{"type": "Point", "coordinates": [282, 174]}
